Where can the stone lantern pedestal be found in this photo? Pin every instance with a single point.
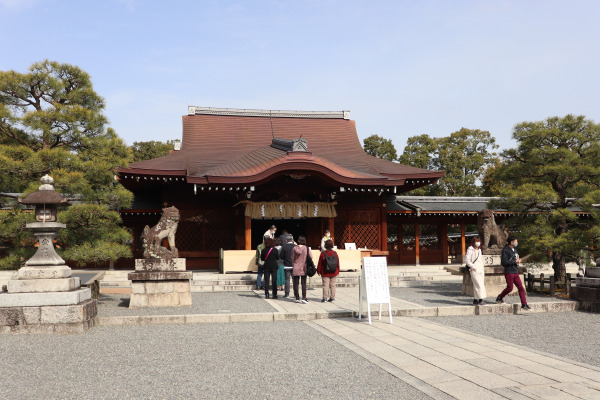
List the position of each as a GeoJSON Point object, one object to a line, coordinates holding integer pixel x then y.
{"type": "Point", "coordinates": [43, 297]}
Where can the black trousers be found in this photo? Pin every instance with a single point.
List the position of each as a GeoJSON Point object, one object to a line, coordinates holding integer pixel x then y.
{"type": "Point", "coordinates": [270, 277]}
{"type": "Point", "coordinates": [296, 279]}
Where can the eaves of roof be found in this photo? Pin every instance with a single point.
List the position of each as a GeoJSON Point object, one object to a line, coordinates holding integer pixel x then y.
{"type": "Point", "coordinates": [230, 149]}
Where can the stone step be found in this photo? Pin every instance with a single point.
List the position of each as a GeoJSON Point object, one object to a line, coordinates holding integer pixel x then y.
{"type": "Point", "coordinates": [406, 277]}
{"type": "Point", "coordinates": [317, 284]}
{"type": "Point", "coordinates": [115, 284]}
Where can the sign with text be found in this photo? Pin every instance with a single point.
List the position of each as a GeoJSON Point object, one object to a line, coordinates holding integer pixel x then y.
{"type": "Point", "coordinates": [375, 285]}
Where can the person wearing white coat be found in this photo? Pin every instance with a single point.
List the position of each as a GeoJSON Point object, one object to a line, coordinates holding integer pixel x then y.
{"type": "Point", "coordinates": [474, 260]}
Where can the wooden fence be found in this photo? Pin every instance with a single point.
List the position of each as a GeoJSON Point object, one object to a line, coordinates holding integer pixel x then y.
{"type": "Point", "coordinates": [543, 284]}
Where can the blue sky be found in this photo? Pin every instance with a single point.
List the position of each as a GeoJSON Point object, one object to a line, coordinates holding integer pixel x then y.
{"type": "Point", "coordinates": [402, 68]}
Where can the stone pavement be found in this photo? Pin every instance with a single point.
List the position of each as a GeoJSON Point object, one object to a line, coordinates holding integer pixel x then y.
{"type": "Point", "coordinates": [439, 361]}
{"type": "Point", "coordinates": [446, 362]}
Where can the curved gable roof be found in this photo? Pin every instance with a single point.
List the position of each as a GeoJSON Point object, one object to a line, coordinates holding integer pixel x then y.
{"type": "Point", "coordinates": [219, 147]}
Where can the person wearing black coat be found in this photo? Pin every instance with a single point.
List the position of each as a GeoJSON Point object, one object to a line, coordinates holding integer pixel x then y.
{"type": "Point", "coordinates": [510, 261]}
{"type": "Point", "coordinates": [270, 255]}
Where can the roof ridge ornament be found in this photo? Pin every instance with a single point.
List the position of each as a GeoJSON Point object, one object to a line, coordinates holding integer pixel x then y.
{"type": "Point", "coordinates": [290, 145]}
{"type": "Point", "coordinates": [242, 112]}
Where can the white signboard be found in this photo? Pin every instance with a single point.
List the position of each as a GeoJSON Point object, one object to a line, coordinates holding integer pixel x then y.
{"type": "Point", "coordinates": [374, 285]}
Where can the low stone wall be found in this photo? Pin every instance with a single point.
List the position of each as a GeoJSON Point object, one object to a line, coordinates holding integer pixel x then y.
{"type": "Point", "coordinates": [587, 292]}
{"type": "Point", "coordinates": [76, 318]}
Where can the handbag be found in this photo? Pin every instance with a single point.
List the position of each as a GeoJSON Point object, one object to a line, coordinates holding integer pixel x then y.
{"type": "Point", "coordinates": [467, 268]}
{"type": "Point", "coordinates": [311, 270]}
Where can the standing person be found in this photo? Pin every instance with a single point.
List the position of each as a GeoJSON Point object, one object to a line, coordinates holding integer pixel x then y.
{"type": "Point", "coordinates": [280, 270]}
{"type": "Point", "coordinates": [271, 232]}
{"type": "Point", "coordinates": [259, 263]}
{"type": "Point", "coordinates": [474, 260]}
{"type": "Point", "coordinates": [510, 261]}
{"type": "Point", "coordinates": [270, 255]}
{"type": "Point", "coordinates": [299, 255]}
{"type": "Point", "coordinates": [286, 256]}
{"type": "Point", "coordinates": [329, 269]}
{"type": "Point", "coordinates": [325, 238]}
{"type": "Point", "coordinates": [283, 236]}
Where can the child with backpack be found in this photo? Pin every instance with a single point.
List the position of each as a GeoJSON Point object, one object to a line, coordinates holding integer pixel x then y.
{"type": "Point", "coordinates": [329, 269]}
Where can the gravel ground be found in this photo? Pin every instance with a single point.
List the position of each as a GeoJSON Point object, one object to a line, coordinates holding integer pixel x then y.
{"type": "Point", "coordinates": [110, 305]}
{"type": "Point", "coordinates": [572, 335]}
{"type": "Point", "coordinates": [224, 361]}
{"type": "Point", "coordinates": [448, 294]}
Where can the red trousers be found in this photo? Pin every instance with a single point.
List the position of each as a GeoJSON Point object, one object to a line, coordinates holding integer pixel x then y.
{"type": "Point", "coordinates": [516, 279]}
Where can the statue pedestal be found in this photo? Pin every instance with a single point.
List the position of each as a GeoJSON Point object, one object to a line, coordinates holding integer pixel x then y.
{"type": "Point", "coordinates": [160, 283]}
{"type": "Point", "coordinates": [494, 281]}
{"type": "Point", "coordinates": [587, 290]}
{"type": "Point", "coordinates": [46, 299]}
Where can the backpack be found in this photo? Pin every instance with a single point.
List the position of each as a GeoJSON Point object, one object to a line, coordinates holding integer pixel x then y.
{"type": "Point", "coordinates": [331, 263]}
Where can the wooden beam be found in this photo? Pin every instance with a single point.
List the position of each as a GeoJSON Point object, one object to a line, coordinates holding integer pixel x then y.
{"type": "Point", "coordinates": [331, 227]}
{"type": "Point", "coordinates": [248, 232]}
{"type": "Point", "coordinates": [444, 239]}
{"type": "Point", "coordinates": [417, 230]}
{"type": "Point", "coordinates": [463, 249]}
{"type": "Point", "coordinates": [383, 229]}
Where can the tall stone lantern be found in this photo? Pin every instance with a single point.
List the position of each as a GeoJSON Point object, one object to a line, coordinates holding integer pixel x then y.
{"type": "Point", "coordinates": [43, 297]}
{"type": "Point", "coordinates": [45, 229]}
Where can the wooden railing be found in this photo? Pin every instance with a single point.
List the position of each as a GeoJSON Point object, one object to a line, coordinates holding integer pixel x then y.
{"type": "Point", "coordinates": [548, 284]}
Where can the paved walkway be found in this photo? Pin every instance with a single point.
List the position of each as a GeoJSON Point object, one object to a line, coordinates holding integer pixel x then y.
{"type": "Point", "coordinates": [446, 362]}
{"type": "Point", "coordinates": [440, 361]}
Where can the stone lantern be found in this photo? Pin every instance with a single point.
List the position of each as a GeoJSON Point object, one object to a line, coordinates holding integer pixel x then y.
{"type": "Point", "coordinates": [43, 297]}
{"type": "Point", "coordinates": [45, 228]}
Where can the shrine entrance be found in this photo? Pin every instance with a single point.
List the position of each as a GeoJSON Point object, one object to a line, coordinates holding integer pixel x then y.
{"type": "Point", "coordinates": [296, 227]}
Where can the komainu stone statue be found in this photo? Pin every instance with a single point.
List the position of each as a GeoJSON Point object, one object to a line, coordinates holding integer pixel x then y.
{"type": "Point", "coordinates": [493, 236]}
{"type": "Point", "coordinates": [152, 237]}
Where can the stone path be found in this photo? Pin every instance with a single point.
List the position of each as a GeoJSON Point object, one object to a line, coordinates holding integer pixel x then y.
{"type": "Point", "coordinates": [446, 362]}
{"type": "Point", "coordinates": [439, 361]}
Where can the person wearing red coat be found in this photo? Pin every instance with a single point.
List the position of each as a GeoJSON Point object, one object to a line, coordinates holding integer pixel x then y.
{"type": "Point", "coordinates": [329, 279]}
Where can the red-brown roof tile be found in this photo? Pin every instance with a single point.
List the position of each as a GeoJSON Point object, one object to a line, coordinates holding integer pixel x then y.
{"type": "Point", "coordinates": [228, 149]}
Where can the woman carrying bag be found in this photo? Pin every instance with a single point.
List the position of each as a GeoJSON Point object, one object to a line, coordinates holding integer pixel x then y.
{"type": "Point", "coordinates": [475, 263]}
{"type": "Point", "coordinates": [329, 269]}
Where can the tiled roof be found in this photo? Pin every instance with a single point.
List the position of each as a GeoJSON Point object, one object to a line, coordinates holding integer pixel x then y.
{"type": "Point", "coordinates": [228, 148]}
{"type": "Point", "coordinates": [438, 203]}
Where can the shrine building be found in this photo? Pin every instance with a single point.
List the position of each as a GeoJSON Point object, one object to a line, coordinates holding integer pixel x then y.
{"type": "Point", "coordinates": [236, 172]}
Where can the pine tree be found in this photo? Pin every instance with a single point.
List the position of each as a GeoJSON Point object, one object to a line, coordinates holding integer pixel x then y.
{"type": "Point", "coordinates": [550, 178]}
{"type": "Point", "coordinates": [52, 122]}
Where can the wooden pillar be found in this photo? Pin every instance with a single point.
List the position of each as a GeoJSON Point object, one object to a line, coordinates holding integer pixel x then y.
{"type": "Point", "coordinates": [331, 227]}
{"type": "Point", "coordinates": [463, 248]}
{"type": "Point", "coordinates": [444, 239]}
{"type": "Point", "coordinates": [417, 262]}
{"type": "Point", "coordinates": [383, 240]}
{"type": "Point", "coordinates": [400, 242]}
{"type": "Point", "coordinates": [248, 232]}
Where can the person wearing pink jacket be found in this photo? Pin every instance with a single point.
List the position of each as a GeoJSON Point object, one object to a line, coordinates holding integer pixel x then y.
{"type": "Point", "coordinates": [299, 255]}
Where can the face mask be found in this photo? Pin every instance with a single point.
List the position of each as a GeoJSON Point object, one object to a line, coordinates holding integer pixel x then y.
{"type": "Point", "coordinates": [516, 244]}
{"type": "Point", "coordinates": [477, 244]}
